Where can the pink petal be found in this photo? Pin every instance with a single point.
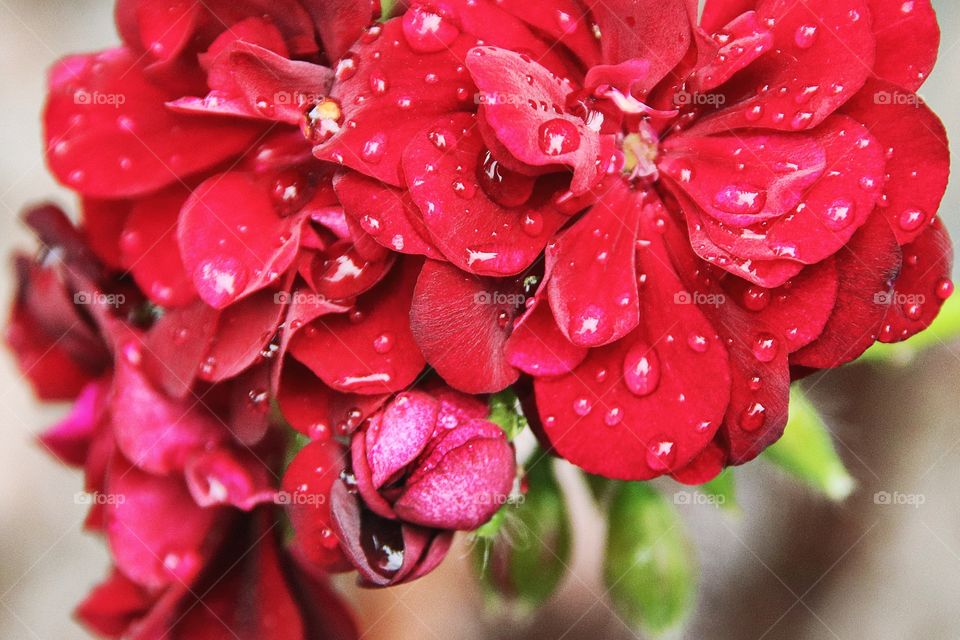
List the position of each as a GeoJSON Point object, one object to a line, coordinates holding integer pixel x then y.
{"type": "Point", "coordinates": [70, 438]}
{"type": "Point", "coordinates": [175, 346]}
{"type": "Point", "coordinates": [461, 324]}
{"type": "Point", "coordinates": [224, 477]}
{"type": "Point", "coordinates": [233, 239]}
{"type": "Point", "coordinates": [113, 606]}
{"type": "Point", "coordinates": [243, 331]}
{"type": "Point", "coordinates": [342, 273]}
{"type": "Point", "coordinates": [371, 350]}
{"type": "Point", "coordinates": [592, 266]}
{"type": "Point", "coordinates": [401, 433]}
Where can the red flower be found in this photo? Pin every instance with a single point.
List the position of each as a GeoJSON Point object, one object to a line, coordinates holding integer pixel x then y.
{"type": "Point", "coordinates": [724, 207]}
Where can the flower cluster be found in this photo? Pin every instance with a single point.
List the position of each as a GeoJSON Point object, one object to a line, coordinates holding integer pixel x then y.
{"type": "Point", "coordinates": [314, 239]}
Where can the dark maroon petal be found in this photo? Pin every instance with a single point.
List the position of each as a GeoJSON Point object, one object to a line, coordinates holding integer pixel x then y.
{"type": "Point", "coordinates": [461, 323]}
{"type": "Point", "coordinates": [867, 268]}
{"type": "Point", "coordinates": [113, 606]}
{"type": "Point", "coordinates": [469, 227]}
{"type": "Point", "coordinates": [110, 135]}
{"type": "Point", "coordinates": [70, 438]}
{"type": "Point", "coordinates": [157, 534]}
{"type": "Point", "coordinates": [704, 468]}
{"type": "Point", "coordinates": [250, 408]}
{"type": "Point", "coordinates": [157, 433]}
{"type": "Point", "coordinates": [524, 104]}
{"type": "Point", "coordinates": [645, 393]}
{"type": "Point", "coordinates": [655, 30]}
{"type": "Point", "coordinates": [233, 239]}
{"type": "Point", "coordinates": [306, 492]}
{"type": "Point", "coordinates": [908, 37]}
{"type": "Point", "coordinates": [249, 81]}
{"type": "Point", "coordinates": [175, 346]}
{"type": "Point", "coordinates": [149, 250]}
{"type": "Point", "coordinates": [243, 331]}
{"type": "Point", "coordinates": [593, 285]}
{"type": "Point", "coordinates": [378, 105]}
{"type": "Point", "coordinates": [538, 347]}
{"type": "Point", "coordinates": [917, 154]}
{"type": "Point", "coordinates": [103, 223]}
{"type": "Point", "coordinates": [375, 546]}
{"type": "Point", "coordinates": [400, 434]}
{"type": "Point", "coordinates": [387, 214]}
{"type": "Point", "coordinates": [923, 284]}
{"type": "Point", "coordinates": [788, 90]}
{"type": "Point", "coordinates": [224, 477]}
{"type": "Point", "coordinates": [371, 350]}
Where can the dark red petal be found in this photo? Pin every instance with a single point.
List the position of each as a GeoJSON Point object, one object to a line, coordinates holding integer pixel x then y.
{"type": "Point", "coordinates": [730, 50]}
{"type": "Point", "coordinates": [655, 30]}
{"type": "Point", "coordinates": [792, 90]}
{"type": "Point", "coordinates": [306, 492]}
{"type": "Point", "coordinates": [109, 134]}
{"type": "Point", "coordinates": [103, 222]}
{"type": "Point", "coordinates": [149, 250]}
{"type": "Point", "coordinates": [867, 267]}
{"type": "Point", "coordinates": [250, 409]}
{"type": "Point", "coordinates": [400, 434]}
{"type": "Point", "coordinates": [243, 330]}
{"type": "Point", "coordinates": [461, 323]}
{"type": "Point", "coordinates": [638, 408]}
{"type": "Point", "coordinates": [922, 286]}
{"type": "Point", "coordinates": [70, 438]}
{"type": "Point", "coordinates": [386, 213]}
{"type": "Point", "coordinates": [233, 240]}
{"type": "Point", "coordinates": [472, 230]}
{"type": "Point", "coordinates": [745, 178]}
{"type": "Point", "coordinates": [908, 37]}
{"type": "Point", "coordinates": [162, 30]}
{"type": "Point", "coordinates": [341, 22]}
{"type": "Point", "coordinates": [538, 346]}
{"type": "Point", "coordinates": [917, 153]}
{"type": "Point", "coordinates": [592, 284]}
{"type": "Point", "coordinates": [114, 605]}
{"type": "Point", "coordinates": [157, 433]}
{"type": "Point", "coordinates": [569, 25]}
{"type": "Point", "coordinates": [464, 484]}
{"type": "Point", "coordinates": [524, 104]}
{"type": "Point", "coordinates": [224, 477]}
{"type": "Point", "coordinates": [175, 346]}
{"type": "Point", "coordinates": [250, 81]}
{"type": "Point", "coordinates": [370, 350]}
{"type": "Point", "coordinates": [704, 468]}
{"type": "Point", "coordinates": [157, 534]}
{"type": "Point", "coordinates": [384, 103]}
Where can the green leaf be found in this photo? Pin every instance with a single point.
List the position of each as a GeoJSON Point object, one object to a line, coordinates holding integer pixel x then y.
{"type": "Point", "coordinates": [507, 413]}
{"type": "Point", "coordinates": [945, 329]}
{"type": "Point", "coordinates": [806, 450]}
{"type": "Point", "coordinates": [530, 554]}
{"type": "Point", "coordinates": [723, 489]}
{"type": "Point", "coordinates": [386, 9]}
{"type": "Point", "coordinates": [649, 567]}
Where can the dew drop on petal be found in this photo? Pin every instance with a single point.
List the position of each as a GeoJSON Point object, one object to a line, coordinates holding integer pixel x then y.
{"type": "Point", "coordinates": [661, 454]}
{"type": "Point", "coordinates": [805, 36]}
{"type": "Point", "coordinates": [839, 214]}
{"type": "Point", "coordinates": [582, 407]}
{"type": "Point", "coordinates": [641, 370]}
{"type": "Point", "coordinates": [753, 417]}
{"type": "Point", "coordinates": [765, 347]}
{"type": "Point", "coordinates": [912, 219]}
{"type": "Point", "coordinates": [739, 199]}
{"type": "Point", "coordinates": [558, 137]}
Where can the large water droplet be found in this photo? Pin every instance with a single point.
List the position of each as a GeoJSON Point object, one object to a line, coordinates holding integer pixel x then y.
{"type": "Point", "coordinates": [753, 417]}
{"type": "Point", "coordinates": [661, 454]}
{"type": "Point", "coordinates": [220, 280]}
{"type": "Point", "coordinates": [805, 36]}
{"type": "Point", "coordinates": [765, 347]}
{"type": "Point", "coordinates": [641, 370]}
{"type": "Point", "coordinates": [582, 407]}
{"type": "Point", "coordinates": [558, 137]}
{"type": "Point", "coordinates": [429, 30]}
{"type": "Point", "coordinates": [375, 148]}
{"type": "Point", "coordinates": [740, 200]}
{"type": "Point", "coordinates": [383, 343]}
{"type": "Point", "coordinates": [912, 219]}
{"type": "Point", "coordinates": [839, 214]}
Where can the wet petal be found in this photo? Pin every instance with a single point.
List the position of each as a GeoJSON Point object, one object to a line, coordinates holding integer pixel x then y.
{"type": "Point", "coordinates": [223, 477]}
{"type": "Point", "coordinates": [538, 347]}
{"type": "Point", "coordinates": [400, 434]}
{"type": "Point", "coordinates": [243, 330]}
{"type": "Point", "coordinates": [908, 38]}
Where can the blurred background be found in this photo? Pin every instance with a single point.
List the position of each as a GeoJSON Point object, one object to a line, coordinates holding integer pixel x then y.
{"type": "Point", "coordinates": [790, 566]}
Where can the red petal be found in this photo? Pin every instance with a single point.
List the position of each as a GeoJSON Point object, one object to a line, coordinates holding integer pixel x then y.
{"type": "Point", "coordinates": [569, 26]}
{"type": "Point", "coordinates": [472, 230]}
{"type": "Point", "coordinates": [461, 323]}
{"type": "Point", "coordinates": [342, 273]}
{"type": "Point", "coordinates": [341, 22]}
{"type": "Point", "coordinates": [717, 13]}
{"type": "Point", "coordinates": [113, 606]}
{"type": "Point", "coordinates": [592, 283]}
{"type": "Point", "coordinates": [398, 437]}
{"type": "Point", "coordinates": [644, 395]}
{"type": "Point", "coordinates": [103, 222]}
{"type": "Point", "coordinates": [918, 156]}
{"type": "Point", "coordinates": [370, 352]}
{"type": "Point", "coordinates": [148, 248]}
{"type": "Point", "coordinates": [730, 50]}
{"type": "Point", "coordinates": [233, 240]}
{"type": "Point", "coordinates": [222, 477]}
{"type": "Point", "coordinates": [110, 135]}
{"type": "Point", "coordinates": [175, 346]}
{"type": "Point", "coordinates": [824, 45]}
{"type": "Point", "coordinates": [70, 438]}
{"type": "Point", "coordinates": [538, 346]}
{"type": "Point", "coordinates": [387, 214]}
{"type": "Point", "coordinates": [908, 37]}
{"type": "Point", "coordinates": [867, 267]}
{"type": "Point", "coordinates": [704, 468]}
{"type": "Point", "coordinates": [243, 330]}
{"type": "Point", "coordinates": [922, 286]}
{"type": "Point", "coordinates": [544, 135]}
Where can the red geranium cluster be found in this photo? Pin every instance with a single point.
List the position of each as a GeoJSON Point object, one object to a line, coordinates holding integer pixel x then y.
{"type": "Point", "coordinates": [303, 216]}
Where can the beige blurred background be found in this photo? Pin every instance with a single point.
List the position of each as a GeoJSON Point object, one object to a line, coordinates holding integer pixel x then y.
{"type": "Point", "coordinates": [790, 567]}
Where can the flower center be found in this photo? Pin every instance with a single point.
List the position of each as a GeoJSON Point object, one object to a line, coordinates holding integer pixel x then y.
{"type": "Point", "coordinates": [640, 154]}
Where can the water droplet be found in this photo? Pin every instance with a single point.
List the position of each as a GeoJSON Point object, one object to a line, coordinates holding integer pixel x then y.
{"type": "Point", "coordinates": [558, 137]}
{"type": "Point", "coordinates": [754, 113]}
{"type": "Point", "coordinates": [378, 82]}
{"type": "Point", "coordinates": [913, 311]}
{"type": "Point", "coordinates": [641, 370]}
{"type": "Point", "coordinates": [944, 288]}
{"type": "Point", "coordinates": [912, 219]}
{"type": "Point", "coordinates": [582, 407]}
{"type": "Point", "coordinates": [346, 68]}
{"type": "Point", "coordinates": [533, 224]}
{"type": "Point", "coordinates": [290, 191]}
{"type": "Point", "coordinates": [698, 343]}
{"type": "Point", "coordinates": [765, 347]}
{"type": "Point", "coordinates": [375, 148]}
{"type": "Point", "coordinates": [753, 417]}
{"type": "Point", "coordinates": [320, 432]}
{"type": "Point", "coordinates": [567, 23]}
{"type": "Point", "coordinates": [839, 214]}
{"type": "Point", "coordinates": [429, 30]}
{"type": "Point", "coordinates": [756, 298]}
{"type": "Point", "coordinates": [220, 280]}
{"type": "Point", "coordinates": [805, 36]}
{"type": "Point", "coordinates": [383, 343]}
{"type": "Point", "coordinates": [465, 190]}
{"type": "Point", "coordinates": [371, 225]}
{"type": "Point", "coordinates": [661, 454]}
{"type": "Point", "coordinates": [740, 200]}
{"type": "Point", "coordinates": [801, 120]}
